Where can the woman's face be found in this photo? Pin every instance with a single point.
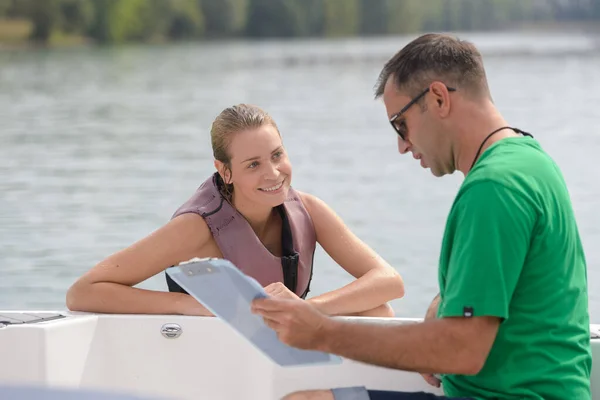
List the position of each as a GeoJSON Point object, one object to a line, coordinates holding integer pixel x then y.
{"type": "Point", "coordinates": [260, 169]}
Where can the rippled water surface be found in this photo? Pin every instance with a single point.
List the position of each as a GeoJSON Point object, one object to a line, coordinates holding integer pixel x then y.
{"type": "Point", "coordinates": [99, 146]}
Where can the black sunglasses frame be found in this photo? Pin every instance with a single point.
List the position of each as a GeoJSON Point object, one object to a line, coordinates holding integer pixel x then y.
{"type": "Point", "coordinates": [406, 107]}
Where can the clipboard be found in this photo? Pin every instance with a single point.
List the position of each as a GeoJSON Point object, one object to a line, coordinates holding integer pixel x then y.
{"type": "Point", "coordinates": [228, 293]}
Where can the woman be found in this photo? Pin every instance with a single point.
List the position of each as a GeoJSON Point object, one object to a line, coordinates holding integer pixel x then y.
{"type": "Point", "coordinates": [248, 213]}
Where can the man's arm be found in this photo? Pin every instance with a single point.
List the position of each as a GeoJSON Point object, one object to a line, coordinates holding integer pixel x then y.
{"type": "Point", "coordinates": [452, 345]}
{"type": "Point", "coordinates": [433, 308]}
{"type": "Point", "coordinates": [449, 346]}
{"type": "Point", "coordinates": [489, 244]}
{"type": "Point", "coordinates": [433, 380]}
{"type": "Point", "coordinates": [490, 231]}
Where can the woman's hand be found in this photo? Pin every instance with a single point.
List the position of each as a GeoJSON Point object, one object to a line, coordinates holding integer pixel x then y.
{"type": "Point", "coordinates": [278, 289]}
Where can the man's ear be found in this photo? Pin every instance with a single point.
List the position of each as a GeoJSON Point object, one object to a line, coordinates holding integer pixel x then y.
{"type": "Point", "coordinates": [441, 95]}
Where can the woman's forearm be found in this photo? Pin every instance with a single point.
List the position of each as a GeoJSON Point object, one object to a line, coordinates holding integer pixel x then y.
{"type": "Point", "coordinates": [114, 298]}
{"type": "Point", "coordinates": [371, 291]}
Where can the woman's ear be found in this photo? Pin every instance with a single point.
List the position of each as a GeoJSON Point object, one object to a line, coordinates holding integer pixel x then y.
{"type": "Point", "coordinates": [223, 171]}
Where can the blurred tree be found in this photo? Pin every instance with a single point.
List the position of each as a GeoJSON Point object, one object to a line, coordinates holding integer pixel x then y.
{"type": "Point", "coordinates": [224, 17]}
{"type": "Point", "coordinates": [187, 20]}
{"type": "Point", "coordinates": [275, 18]}
{"type": "Point", "coordinates": [313, 18]}
{"type": "Point", "coordinates": [5, 7]}
{"type": "Point", "coordinates": [433, 16]}
{"type": "Point", "coordinates": [124, 23]}
{"type": "Point", "coordinates": [406, 16]}
{"type": "Point", "coordinates": [595, 9]}
{"type": "Point", "coordinates": [43, 15]}
{"type": "Point", "coordinates": [341, 17]}
{"type": "Point", "coordinates": [75, 16]}
{"type": "Point", "coordinates": [116, 21]}
{"type": "Point", "coordinates": [373, 17]}
{"type": "Point", "coordinates": [466, 17]}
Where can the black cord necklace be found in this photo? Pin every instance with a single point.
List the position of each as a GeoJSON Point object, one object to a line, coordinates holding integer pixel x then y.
{"type": "Point", "coordinates": [490, 135]}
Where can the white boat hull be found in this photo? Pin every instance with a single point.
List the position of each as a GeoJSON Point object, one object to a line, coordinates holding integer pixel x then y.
{"type": "Point", "coordinates": [129, 354]}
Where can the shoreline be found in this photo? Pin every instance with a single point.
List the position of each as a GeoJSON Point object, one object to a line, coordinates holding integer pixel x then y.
{"type": "Point", "coordinates": [61, 41]}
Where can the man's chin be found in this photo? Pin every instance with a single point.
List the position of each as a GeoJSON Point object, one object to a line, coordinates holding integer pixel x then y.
{"type": "Point", "coordinates": [436, 172]}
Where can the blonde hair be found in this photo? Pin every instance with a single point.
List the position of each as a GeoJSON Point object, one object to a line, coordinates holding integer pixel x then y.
{"type": "Point", "coordinates": [229, 122]}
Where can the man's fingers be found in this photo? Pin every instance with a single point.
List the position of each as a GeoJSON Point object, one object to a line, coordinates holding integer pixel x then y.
{"type": "Point", "coordinates": [432, 380]}
{"type": "Point", "coordinates": [279, 317]}
{"type": "Point", "coordinates": [270, 304]}
{"type": "Point", "coordinates": [271, 323]}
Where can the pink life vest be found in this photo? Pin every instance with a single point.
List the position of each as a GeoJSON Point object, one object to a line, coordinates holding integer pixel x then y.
{"type": "Point", "coordinates": [240, 245]}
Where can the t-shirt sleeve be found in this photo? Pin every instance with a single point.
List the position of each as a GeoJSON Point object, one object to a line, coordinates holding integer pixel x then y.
{"type": "Point", "coordinates": [491, 234]}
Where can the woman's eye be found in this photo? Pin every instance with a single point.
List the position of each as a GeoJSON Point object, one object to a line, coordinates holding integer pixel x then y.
{"type": "Point", "coordinates": [277, 155]}
{"type": "Point", "coordinates": [253, 165]}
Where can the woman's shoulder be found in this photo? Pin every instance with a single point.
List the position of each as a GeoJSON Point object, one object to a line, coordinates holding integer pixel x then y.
{"type": "Point", "coordinates": [312, 203]}
{"type": "Point", "coordinates": [189, 226]}
{"type": "Point", "coordinates": [307, 199]}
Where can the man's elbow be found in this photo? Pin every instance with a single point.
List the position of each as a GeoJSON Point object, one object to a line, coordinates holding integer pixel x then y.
{"type": "Point", "coordinates": [473, 359]}
{"type": "Point", "coordinates": [472, 366]}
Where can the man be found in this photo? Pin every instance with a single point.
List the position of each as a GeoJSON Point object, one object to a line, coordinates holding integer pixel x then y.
{"type": "Point", "coordinates": [513, 319]}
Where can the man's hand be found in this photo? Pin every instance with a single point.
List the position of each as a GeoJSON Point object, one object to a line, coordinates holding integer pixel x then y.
{"type": "Point", "coordinates": [278, 289]}
{"type": "Point", "coordinates": [432, 380]}
{"type": "Point", "coordinates": [296, 322]}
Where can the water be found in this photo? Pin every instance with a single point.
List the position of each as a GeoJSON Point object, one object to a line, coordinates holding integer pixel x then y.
{"type": "Point", "coordinates": [98, 147]}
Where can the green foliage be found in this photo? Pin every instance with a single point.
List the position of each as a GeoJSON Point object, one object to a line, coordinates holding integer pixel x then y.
{"type": "Point", "coordinates": [373, 17]}
{"type": "Point", "coordinates": [75, 16]}
{"type": "Point", "coordinates": [5, 6]}
{"type": "Point", "coordinates": [119, 21]}
{"type": "Point", "coordinates": [268, 18]}
{"type": "Point", "coordinates": [43, 15]}
{"type": "Point", "coordinates": [406, 16]}
{"type": "Point", "coordinates": [341, 17]}
{"type": "Point", "coordinates": [187, 20]}
{"type": "Point", "coordinates": [224, 18]}
{"type": "Point", "coordinates": [595, 12]}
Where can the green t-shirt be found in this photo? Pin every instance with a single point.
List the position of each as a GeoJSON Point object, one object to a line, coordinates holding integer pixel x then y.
{"type": "Point", "coordinates": [512, 250]}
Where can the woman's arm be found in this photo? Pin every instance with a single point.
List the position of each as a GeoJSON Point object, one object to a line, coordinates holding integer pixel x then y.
{"type": "Point", "coordinates": [107, 287]}
{"type": "Point", "coordinates": [377, 282]}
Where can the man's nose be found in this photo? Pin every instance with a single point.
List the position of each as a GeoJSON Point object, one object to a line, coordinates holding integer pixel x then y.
{"type": "Point", "coordinates": [402, 145]}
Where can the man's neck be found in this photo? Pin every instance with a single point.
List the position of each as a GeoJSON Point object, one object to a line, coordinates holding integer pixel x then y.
{"type": "Point", "coordinates": [474, 130]}
{"type": "Point", "coordinates": [257, 216]}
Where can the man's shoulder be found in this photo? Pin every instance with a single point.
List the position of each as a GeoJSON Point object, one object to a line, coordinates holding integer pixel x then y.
{"type": "Point", "coordinates": [521, 167]}
{"type": "Point", "coordinates": [510, 157]}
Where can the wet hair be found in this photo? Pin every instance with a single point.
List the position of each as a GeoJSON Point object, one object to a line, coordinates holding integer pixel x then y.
{"type": "Point", "coordinates": [436, 57]}
{"type": "Point", "coordinates": [228, 123]}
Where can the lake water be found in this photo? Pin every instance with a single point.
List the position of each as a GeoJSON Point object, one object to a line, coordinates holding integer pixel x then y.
{"type": "Point", "coordinates": [98, 147]}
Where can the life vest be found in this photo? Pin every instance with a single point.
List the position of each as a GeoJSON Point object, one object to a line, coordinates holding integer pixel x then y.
{"type": "Point", "coordinates": [240, 245]}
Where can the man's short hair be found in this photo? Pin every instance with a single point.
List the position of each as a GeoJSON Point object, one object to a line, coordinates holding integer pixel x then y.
{"type": "Point", "coordinates": [431, 57]}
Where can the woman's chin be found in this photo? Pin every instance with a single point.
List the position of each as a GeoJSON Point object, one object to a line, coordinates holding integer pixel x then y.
{"type": "Point", "coordinates": [274, 198]}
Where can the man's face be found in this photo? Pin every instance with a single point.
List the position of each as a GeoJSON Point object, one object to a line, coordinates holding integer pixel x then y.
{"type": "Point", "coordinates": [417, 130]}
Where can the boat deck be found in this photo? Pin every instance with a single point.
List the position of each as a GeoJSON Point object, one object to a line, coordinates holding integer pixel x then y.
{"type": "Point", "coordinates": [177, 357]}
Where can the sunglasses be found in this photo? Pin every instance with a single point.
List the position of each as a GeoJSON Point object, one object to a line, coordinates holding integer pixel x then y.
{"type": "Point", "coordinates": [400, 125]}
